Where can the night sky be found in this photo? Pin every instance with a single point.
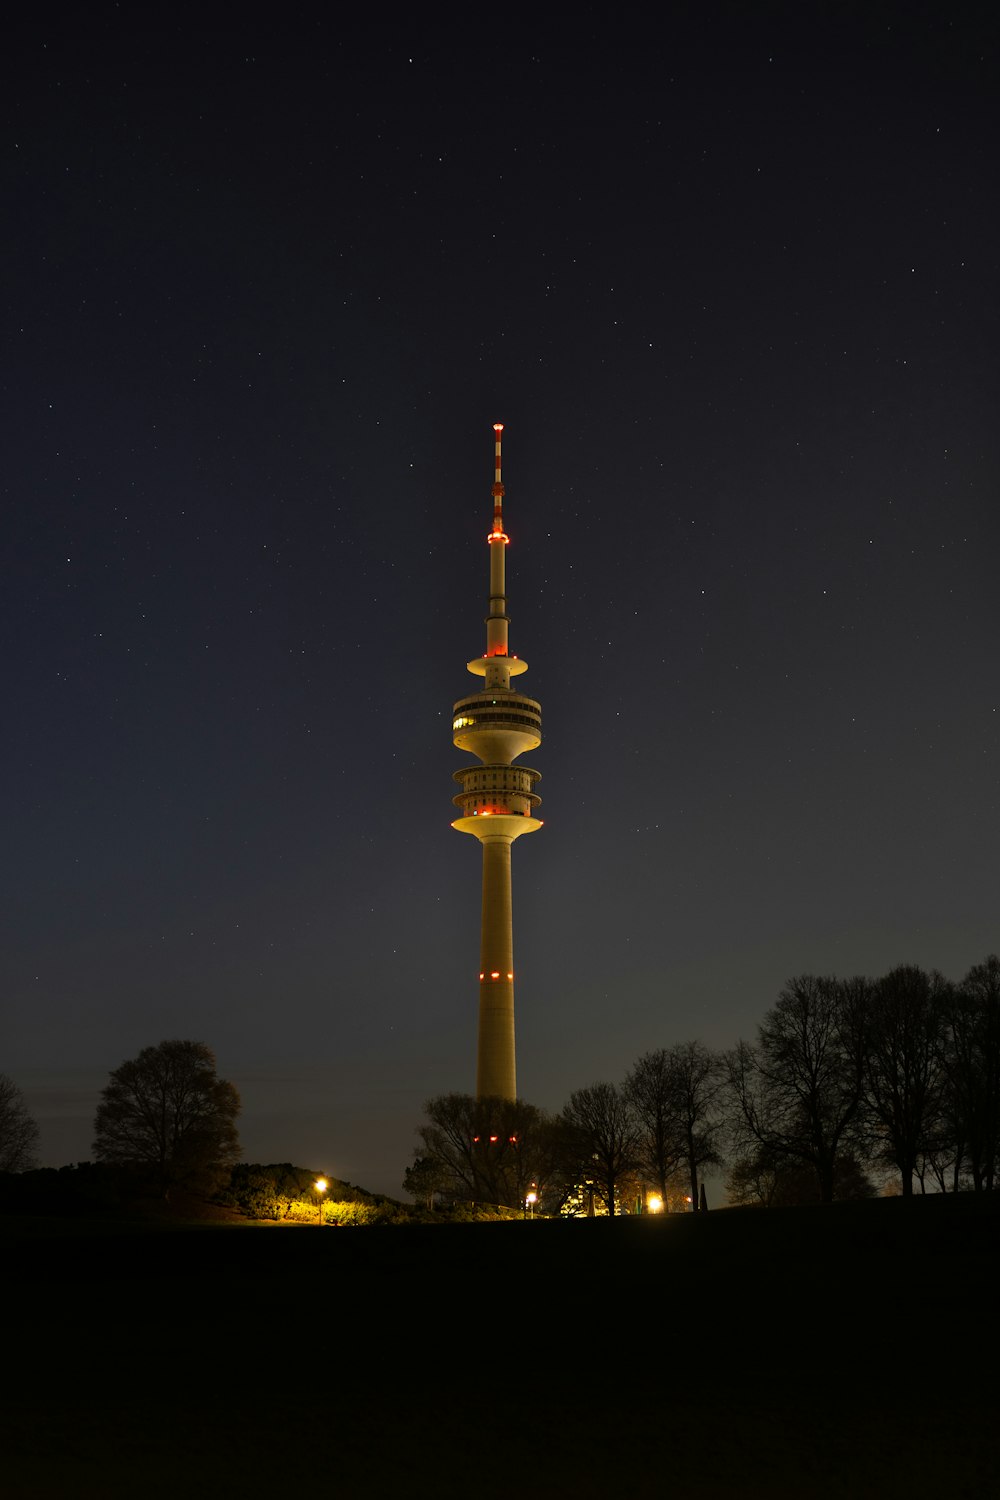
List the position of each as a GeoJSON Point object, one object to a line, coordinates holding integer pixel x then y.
{"type": "Point", "coordinates": [729, 278]}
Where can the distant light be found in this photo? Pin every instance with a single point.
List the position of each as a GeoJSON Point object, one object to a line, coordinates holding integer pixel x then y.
{"type": "Point", "coordinates": [495, 974]}
{"type": "Point", "coordinates": [510, 976]}
{"type": "Point", "coordinates": [498, 427]}
{"type": "Point", "coordinates": [321, 1184]}
{"type": "Point", "coordinates": [654, 1203]}
{"type": "Point", "coordinates": [494, 1139]}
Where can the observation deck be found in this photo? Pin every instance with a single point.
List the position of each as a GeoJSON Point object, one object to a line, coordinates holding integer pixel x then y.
{"type": "Point", "coordinates": [491, 791]}
{"type": "Point", "coordinates": [497, 726]}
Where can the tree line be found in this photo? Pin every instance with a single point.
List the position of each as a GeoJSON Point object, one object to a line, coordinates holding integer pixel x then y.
{"type": "Point", "coordinates": [165, 1117]}
{"type": "Point", "coordinates": [849, 1082]}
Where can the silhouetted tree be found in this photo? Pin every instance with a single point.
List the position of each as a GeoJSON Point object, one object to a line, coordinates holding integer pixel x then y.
{"type": "Point", "coordinates": [425, 1178]}
{"type": "Point", "coordinates": [675, 1093]}
{"type": "Point", "coordinates": [902, 1072]}
{"type": "Point", "coordinates": [971, 1062]}
{"type": "Point", "coordinates": [699, 1078]}
{"type": "Point", "coordinates": [18, 1131]}
{"type": "Point", "coordinates": [650, 1089]}
{"type": "Point", "coordinates": [797, 1093]}
{"type": "Point", "coordinates": [168, 1113]}
{"type": "Point", "coordinates": [764, 1180]}
{"type": "Point", "coordinates": [489, 1149]}
{"type": "Point", "coordinates": [599, 1139]}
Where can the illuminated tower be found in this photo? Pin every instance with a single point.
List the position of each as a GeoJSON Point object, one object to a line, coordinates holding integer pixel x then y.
{"type": "Point", "coordinates": [497, 804]}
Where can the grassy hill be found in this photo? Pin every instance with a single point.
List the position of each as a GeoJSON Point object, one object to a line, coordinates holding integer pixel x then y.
{"type": "Point", "coordinates": [802, 1352]}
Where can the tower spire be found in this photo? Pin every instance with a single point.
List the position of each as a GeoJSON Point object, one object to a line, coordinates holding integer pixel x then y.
{"type": "Point", "coordinates": [498, 484]}
{"type": "Point", "coordinates": [497, 804]}
{"type": "Point", "coordinates": [496, 621]}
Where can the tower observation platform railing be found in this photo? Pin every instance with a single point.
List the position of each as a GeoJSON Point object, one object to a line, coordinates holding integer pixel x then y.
{"type": "Point", "coordinates": [482, 711]}
{"type": "Point", "coordinates": [497, 790]}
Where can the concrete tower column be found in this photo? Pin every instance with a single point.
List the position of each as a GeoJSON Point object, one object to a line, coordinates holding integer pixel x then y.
{"type": "Point", "coordinates": [497, 803]}
{"type": "Point", "coordinates": [496, 1072]}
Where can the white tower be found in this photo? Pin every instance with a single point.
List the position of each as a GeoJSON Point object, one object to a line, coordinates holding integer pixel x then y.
{"type": "Point", "coordinates": [497, 804]}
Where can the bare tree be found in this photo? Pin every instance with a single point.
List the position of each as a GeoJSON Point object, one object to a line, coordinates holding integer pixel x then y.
{"type": "Point", "coordinates": [489, 1150]}
{"type": "Point", "coordinates": [649, 1086]}
{"type": "Point", "coordinates": [18, 1131]}
{"type": "Point", "coordinates": [903, 1077]}
{"type": "Point", "coordinates": [168, 1113]}
{"type": "Point", "coordinates": [971, 1061]}
{"type": "Point", "coordinates": [699, 1077]}
{"type": "Point", "coordinates": [675, 1093]}
{"type": "Point", "coordinates": [600, 1136]}
{"type": "Point", "coordinates": [798, 1092]}
{"type": "Point", "coordinates": [763, 1180]}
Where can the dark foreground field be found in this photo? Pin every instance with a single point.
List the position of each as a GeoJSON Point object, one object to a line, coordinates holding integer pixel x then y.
{"type": "Point", "coordinates": [848, 1351]}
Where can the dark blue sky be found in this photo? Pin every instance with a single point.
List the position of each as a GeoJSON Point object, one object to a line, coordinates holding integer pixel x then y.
{"type": "Point", "coordinates": [730, 282]}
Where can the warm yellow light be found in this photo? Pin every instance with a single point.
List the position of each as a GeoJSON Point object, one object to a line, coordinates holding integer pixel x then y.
{"type": "Point", "coordinates": [321, 1184]}
{"type": "Point", "coordinates": [531, 1198]}
{"type": "Point", "coordinates": [654, 1203]}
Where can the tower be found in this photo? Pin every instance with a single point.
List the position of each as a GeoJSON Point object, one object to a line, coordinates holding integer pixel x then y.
{"type": "Point", "coordinates": [497, 804]}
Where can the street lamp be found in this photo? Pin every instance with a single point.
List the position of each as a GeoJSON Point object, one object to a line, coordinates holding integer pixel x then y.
{"type": "Point", "coordinates": [531, 1199]}
{"type": "Point", "coordinates": [654, 1203]}
{"type": "Point", "coordinates": [320, 1185]}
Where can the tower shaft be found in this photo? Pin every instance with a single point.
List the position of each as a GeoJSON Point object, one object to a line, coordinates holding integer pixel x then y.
{"type": "Point", "coordinates": [496, 1073]}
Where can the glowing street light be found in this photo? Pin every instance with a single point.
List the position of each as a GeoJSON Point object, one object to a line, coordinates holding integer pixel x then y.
{"type": "Point", "coordinates": [654, 1203]}
{"type": "Point", "coordinates": [321, 1186]}
{"type": "Point", "coordinates": [531, 1199]}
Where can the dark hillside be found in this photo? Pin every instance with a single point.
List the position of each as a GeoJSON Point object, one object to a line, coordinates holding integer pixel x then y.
{"type": "Point", "coordinates": [792, 1352]}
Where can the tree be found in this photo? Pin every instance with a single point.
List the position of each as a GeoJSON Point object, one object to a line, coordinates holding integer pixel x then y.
{"type": "Point", "coordinates": [971, 1061]}
{"type": "Point", "coordinates": [650, 1088]}
{"type": "Point", "coordinates": [168, 1113]}
{"type": "Point", "coordinates": [599, 1136]}
{"type": "Point", "coordinates": [698, 1076]}
{"type": "Point", "coordinates": [18, 1131]}
{"type": "Point", "coordinates": [424, 1178]}
{"type": "Point", "coordinates": [903, 1079]}
{"type": "Point", "coordinates": [762, 1179]}
{"type": "Point", "coordinates": [675, 1094]}
{"type": "Point", "coordinates": [798, 1092]}
{"type": "Point", "coordinates": [488, 1150]}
